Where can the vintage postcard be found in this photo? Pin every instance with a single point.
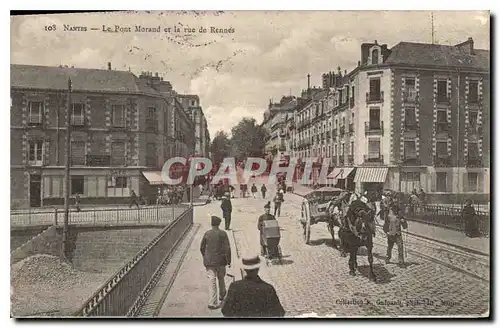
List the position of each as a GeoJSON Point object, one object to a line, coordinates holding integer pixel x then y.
{"type": "Point", "coordinates": [250, 164]}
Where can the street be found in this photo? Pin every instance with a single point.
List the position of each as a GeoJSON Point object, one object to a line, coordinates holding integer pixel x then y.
{"type": "Point", "coordinates": [439, 279]}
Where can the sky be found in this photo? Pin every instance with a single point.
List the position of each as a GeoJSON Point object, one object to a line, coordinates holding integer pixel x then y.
{"type": "Point", "coordinates": [267, 55]}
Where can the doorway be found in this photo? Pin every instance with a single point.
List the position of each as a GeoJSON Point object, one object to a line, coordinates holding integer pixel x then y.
{"type": "Point", "coordinates": [35, 190]}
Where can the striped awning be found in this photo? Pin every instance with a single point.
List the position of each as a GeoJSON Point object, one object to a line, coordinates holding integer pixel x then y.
{"type": "Point", "coordinates": [371, 174]}
{"type": "Point", "coordinates": [340, 172]}
{"type": "Point", "coordinates": [154, 177]}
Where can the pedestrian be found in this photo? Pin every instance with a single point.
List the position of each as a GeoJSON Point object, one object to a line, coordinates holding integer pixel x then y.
{"type": "Point", "coordinates": [266, 216]}
{"type": "Point", "coordinates": [469, 218]}
{"type": "Point", "coordinates": [252, 296]}
{"type": "Point", "coordinates": [393, 221]}
{"type": "Point", "coordinates": [263, 190]}
{"type": "Point", "coordinates": [133, 199]}
{"type": "Point", "coordinates": [227, 209]}
{"type": "Point", "coordinates": [254, 190]}
{"type": "Point", "coordinates": [278, 200]}
{"type": "Point", "coordinates": [77, 202]}
{"type": "Point", "coordinates": [232, 189]}
{"type": "Point", "coordinates": [216, 252]}
{"type": "Point", "coordinates": [158, 196]}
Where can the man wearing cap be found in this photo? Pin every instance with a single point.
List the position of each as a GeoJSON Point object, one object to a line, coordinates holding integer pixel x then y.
{"type": "Point", "coordinates": [252, 296]}
{"type": "Point", "coordinates": [227, 209]}
{"type": "Point", "coordinates": [266, 216]}
{"type": "Point", "coordinates": [216, 253]}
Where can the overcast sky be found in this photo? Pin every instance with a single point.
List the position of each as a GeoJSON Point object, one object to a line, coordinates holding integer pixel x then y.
{"type": "Point", "coordinates": [268, 55]}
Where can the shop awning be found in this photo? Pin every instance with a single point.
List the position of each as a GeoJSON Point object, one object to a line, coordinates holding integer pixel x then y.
{"type": "Point", "coordinates": [340, 172]}
{"type": "Point", "coordinates": [371, 174]}
{"type": "Point", "coordinates": [154, 177]}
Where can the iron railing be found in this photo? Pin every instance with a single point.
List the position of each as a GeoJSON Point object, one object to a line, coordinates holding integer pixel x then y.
{"type": "Point", "coordinates": [112, 215]}
{"type": "Point", "coordinates": [121, 295]}
{"type": "Point", "coordinates": [447, 217]}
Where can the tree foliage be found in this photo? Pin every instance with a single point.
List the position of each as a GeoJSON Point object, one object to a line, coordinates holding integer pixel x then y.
{"type": "Point", "coordinates": [220, 147]}
{"type": "Point", "coordinates": [248, 139]}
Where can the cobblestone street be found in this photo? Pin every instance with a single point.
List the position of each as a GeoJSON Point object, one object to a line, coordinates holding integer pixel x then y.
{"type": "Point", "coordinates": [439, 279]}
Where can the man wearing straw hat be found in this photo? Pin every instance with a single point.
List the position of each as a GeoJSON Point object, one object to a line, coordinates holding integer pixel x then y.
{"type": "Point", "coordinates": [252, 296]}
{"type": "Point", "coordinates": [216, 252]}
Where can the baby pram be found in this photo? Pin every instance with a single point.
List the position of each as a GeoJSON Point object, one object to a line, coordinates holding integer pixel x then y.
{"type": "Point", "coordinates": [271, 236]}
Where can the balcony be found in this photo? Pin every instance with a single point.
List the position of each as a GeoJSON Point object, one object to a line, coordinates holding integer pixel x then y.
{"type": "Point", "coordinates": [78, 160]}
{"type": "Point", "coordinates": [322, 136]}
{"type": "Point", "coordinates": [351, 128]}
{"type": "Point", "coordinates": [410, 96]}
{"type": "Point", "coordinates": [373, 159]}
{"type": "Point", "coordinates": [374, 127]}
{"type": "Point", "coordinates": [342, 130]}
{"type": "Point", "coordinates": [410, 126]}
{"type": "Point", "coordinates": [443, 99]}
{"type": "Point", "coordinates": [78, 120]}
{"type": "Point", "coordinates": [374, 97]}
{"type": "Point", "coordinates": [351, 102]}
{"type": "Point", "coordinates": [443, 127]}
{"type": "Point", "coordinates": [334, 132]}
{"type": "Point", "coordinates": [442, 160]}
{"type": "Point", "coordinates": [474, 161]}
{"type": "Point", "coordinates": [328, 134]}
{"type": "Point", "coordinates": [34, 119]}
{"type": "Point", "coordinates": [411, 160]}
{"type": "Point", "coordinates": [98, 160]}
{"type": "Point", "coordinates": [341, 161]}
{"type": "Point", "coordinates": [474, 99]}
{"type": "Point", "coordinates": [350, 159]}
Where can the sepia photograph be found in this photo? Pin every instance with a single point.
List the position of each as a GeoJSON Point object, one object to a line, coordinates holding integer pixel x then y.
{"type": "Point", "coordinates": [250, 164]}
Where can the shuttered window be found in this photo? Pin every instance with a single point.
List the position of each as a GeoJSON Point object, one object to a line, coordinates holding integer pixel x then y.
{"type": "Point", "coordinates": [78, 153]}
{"type": "Point", "coordinates": [118, 153]}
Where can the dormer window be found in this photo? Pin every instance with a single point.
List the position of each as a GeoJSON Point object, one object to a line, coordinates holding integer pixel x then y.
{"type": "Point", "coordinates": [374, 56]}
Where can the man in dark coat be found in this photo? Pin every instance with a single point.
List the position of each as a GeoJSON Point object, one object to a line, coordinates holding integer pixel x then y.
{"type": "Point", "coordinates": [133, 199]}
{"type": "Point", "coordinates": [266, 216]}
{"type": "Point", "coordinates": [254, 190]}
{"type": "Point", "coordinates": [216, 252]}
{"type": "Point", "coordinates": [252, 296]}
{"type": "Point", "coordinates": [393, 222]}
{"type": "Point", "coordinates": [227, 209]}
{"type": "Point", "coordinates": [263, 190]}
{"type": "Point", "coordinates": [469, 216]}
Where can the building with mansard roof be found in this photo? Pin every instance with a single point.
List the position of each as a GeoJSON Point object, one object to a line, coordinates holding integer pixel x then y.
{"type": "Point", "coordinates": [123, 128]}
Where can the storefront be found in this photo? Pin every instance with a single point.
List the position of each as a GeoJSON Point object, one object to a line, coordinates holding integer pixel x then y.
{"type": "Point", "coordinates": [371, 179]}
{"type": "Point", "coordinates": [343, 177]}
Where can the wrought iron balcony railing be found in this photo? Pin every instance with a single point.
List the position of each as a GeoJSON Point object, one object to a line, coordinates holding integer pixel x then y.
{"type": "Point", "coordinates": [374, 127]}
{"type": "Point", "coordinates": [375, 97]}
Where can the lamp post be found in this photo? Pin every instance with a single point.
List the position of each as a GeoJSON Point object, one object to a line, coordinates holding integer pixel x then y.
{"type": "Point", "coordinates": [67, 174]}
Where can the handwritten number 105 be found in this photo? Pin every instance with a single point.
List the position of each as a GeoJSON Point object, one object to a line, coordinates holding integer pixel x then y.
{"type": "Point", "coordinates": [50, 28]}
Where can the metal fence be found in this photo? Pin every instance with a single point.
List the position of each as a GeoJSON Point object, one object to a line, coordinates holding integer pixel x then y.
{"type": "Point", "coordinates": [99, 216]}
{"type": "Point", "coordinates": [448, 217]}
{"type": "Point", "coordinates": [117, 296]}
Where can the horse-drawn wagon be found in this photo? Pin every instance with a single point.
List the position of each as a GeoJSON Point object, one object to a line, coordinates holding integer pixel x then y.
{"type": "Point", "coordinates": [315, 209]}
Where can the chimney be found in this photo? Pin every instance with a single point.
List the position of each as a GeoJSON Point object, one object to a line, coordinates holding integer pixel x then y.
{"type": "Point", "coordinates": [471, 44]}
{"type": "Point", "coordinates": [359, 63]}
{"type": "Point", "coordinates": [345, 72]}
{"type": "Point", "coordinates": [308, 81]}
{"type": "Point", "coordinates": [109, 66]}
{"type": "Point", "coordinates": [376, 42]}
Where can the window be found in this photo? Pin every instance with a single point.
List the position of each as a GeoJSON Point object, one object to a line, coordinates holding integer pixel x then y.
{"type": "Point", "coordinates": [375, 57]}
{"type": "Point", "coordinates": [473, 120]}
{"type": "Point", "coordinates": [441, 181]}
{"type": "Point", "coordinates": [442, 121]}
{"type": "Point", "coordinates": [352, 148]}
{"type": "Point", "coordinates": [375, 118]}
{"type": "Point", "coordinates": [346, 94]}
{"type": "Point", "coordinates": [472, 178]}
{"type": "Point", "coordinates": [120, 182]}
{"type": "Point", "coordinates": [118, 153]}
{"type": "Point", "coordinates": [352, 93]}
{"type": "Point", "coordinates": [35, 152]}
{"type": "Point", "coordinates": [410, 117]}
{"type": "Point", "coordinates": [352, 118]}
{"type": "Point", "coordinates": [473, 91]}
{"type": "Point", "coordinates": [442, 91]}
{"type": "Point", "coordinates": [35, 112]}
{"type": "Point", "coordinates": [77, 117]}
{"type": "Point", "coordinates": [374, 90]}
{"type": "Point", "coordinates": [410, 91]}
{"type": "Point", "coordinates": [151, 154]}
{"type": "Point", "coordinates": [410, 149]}
{"type": "Point", "coordinates": [374, 149]}
{"type": "Point", "coordinates": [343, 121]}
{"type": "Point", "coordinates": [329, 151]}
{"type": "Point", "coordinates": [342, 149]}
{"type": "Point", "coordinates": [78, 153]}
{"type": "Point", "coordinates": [441, 148]}
{"type": "Point", "coordinates": [151, 120]}
{"type": "Point", "coordinates": [340, 97]}
{"type": "Point", "coordinates": [118, 115]}
{"type": "Point", "coordinates": [77, 184]}
{"type": "Point", "coordinates": [473, 150]}
{"type": "Point", "coordinates": [335, 150]}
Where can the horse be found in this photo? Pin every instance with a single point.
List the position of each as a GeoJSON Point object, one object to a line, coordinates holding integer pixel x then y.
{"type": "Point", "coordinates": [337, 210]}
{"type": "Point", "coordinates": [358, 231]}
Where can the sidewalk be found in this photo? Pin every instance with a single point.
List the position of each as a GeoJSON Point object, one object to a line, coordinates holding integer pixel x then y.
{"type": "Point", "coordinates": [427, 231]}
{"type": "Point", "coordinates": [188, 296]}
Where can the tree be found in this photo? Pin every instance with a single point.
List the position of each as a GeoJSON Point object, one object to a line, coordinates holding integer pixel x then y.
{"type": "Point", "coordinates": [220, 147]}
{"type": "Point", "coordinates": [248, 139]}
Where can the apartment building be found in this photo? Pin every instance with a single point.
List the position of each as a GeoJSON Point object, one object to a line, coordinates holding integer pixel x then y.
{"type": "Point", "coordinates": [122, 127]}
{"type": "Point", "coordinates": [191, 103]}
